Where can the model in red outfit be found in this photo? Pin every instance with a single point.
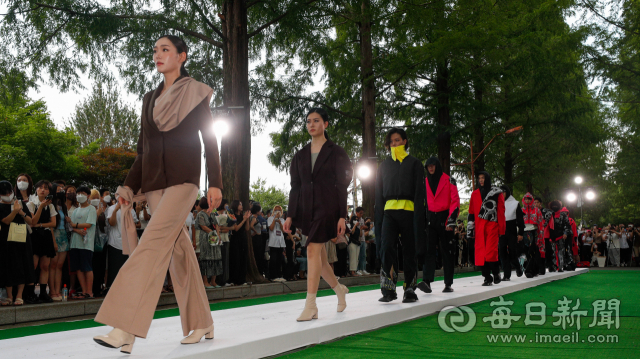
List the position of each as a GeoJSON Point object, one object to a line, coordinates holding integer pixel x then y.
{"type": "Point", "coordinates": [486, 220]}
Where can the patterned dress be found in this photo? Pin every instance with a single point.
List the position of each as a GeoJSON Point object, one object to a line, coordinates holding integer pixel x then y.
{"type": "Point", "coordinates": [210, 259]}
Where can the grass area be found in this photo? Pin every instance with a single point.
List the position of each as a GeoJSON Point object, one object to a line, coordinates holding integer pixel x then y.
{"type": "Point", "coordinates": [89, 323]}
{"type": "Point", "coordinates": [425, 339]}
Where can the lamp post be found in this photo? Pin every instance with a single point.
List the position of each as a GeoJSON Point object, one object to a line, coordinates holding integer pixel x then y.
{"type": "Point", "coordinates": [362, 170]}
{"type": "Point", "coordinates": [473, 160]}
{"type": "Point", "coordinates": [571, 197]}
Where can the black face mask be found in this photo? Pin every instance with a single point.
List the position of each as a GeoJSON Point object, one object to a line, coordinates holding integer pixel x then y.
{"type": "Point", "coordinates": [555, 208]}
{"type": "Point", "coordinates": [71, 196]}
{"type": "Point", "coordinates": [61, 196]}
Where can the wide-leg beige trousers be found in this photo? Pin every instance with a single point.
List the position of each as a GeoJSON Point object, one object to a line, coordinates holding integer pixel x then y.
{"type": "Point", "coordinates": [133, 297]}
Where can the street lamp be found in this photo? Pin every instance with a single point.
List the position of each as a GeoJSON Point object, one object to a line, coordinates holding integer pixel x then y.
{"type": "Point", "coordinates": [514, 130]}
{"type": "Point", "coordinates": [364, 171]}
{"type": "Point", "coordinates": [578, 180]}
{"type": "Point", "coordinates": [571, 197]}
{"type": "Point", "coordinates": [590, 195]}
{"type": "Point", "coordinates": [220, 127]}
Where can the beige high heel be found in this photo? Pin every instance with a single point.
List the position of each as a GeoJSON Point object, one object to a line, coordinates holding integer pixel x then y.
{"type": "Point", "coordinates": [341, 292]}
{"type": "Point", "coordinates": [310, 309]}
{"type": "Point", "coordinates": [197, 335]}
{"type": "Point", "coordinates": [117, 338]}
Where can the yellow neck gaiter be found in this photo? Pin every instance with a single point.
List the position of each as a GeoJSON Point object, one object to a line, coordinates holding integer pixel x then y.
{"type": "Point", "coordinates": [398, 153]}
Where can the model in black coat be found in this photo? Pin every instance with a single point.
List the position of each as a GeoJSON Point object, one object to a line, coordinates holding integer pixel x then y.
{"type": "Point", "coordinates": [398, 180]}
{"type": "Point", "coordinates": [318, 205]}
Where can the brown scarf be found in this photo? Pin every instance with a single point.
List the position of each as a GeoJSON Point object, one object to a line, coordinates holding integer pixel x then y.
{"type": "Point", "coordinates": [179, 100]}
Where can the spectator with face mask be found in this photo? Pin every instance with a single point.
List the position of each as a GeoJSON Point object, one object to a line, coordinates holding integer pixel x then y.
{"type": "Point", "coordinates": [62, 238]}
{"type": "Point", "coordinates": [44, 223]}
{"type": "Point", "coordinates": [16, 262]}
{"type": "Point", "coordinates": [24, 188]}
{"type": "Point", "coordinates": [83, 223]}
{"type": "Point", "coordinates": [276, 245]}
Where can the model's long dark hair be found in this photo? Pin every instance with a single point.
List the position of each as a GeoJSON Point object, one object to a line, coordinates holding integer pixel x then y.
{"type": "Point", "coordinates": [323, 113]}
{"type": "Point", "coordinates": [181, 47]}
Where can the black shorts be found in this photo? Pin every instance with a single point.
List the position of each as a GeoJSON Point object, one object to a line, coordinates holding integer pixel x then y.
{"type": "Point", "coordinates": [42, 243]}
{"type": "Point", "coordinates": [80, 259]}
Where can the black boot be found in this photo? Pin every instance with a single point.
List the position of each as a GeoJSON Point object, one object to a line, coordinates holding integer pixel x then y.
{"type": "Point", "coordinates": [44, 297]}
{"type": "Point", "coordinates": [388, 296]}
{"type": "Point", "coordinates": [425, 287]}
{"type": "Point", "coordinates": [409, 296]}
{"type": "Point", "coordinates": [488, 281]}
{"type": "Point", "coordinates": [447, 289]}
{"type": "Point", "coordinates": [519, 269]}
{"type": "Point", "coordinates": [29, 295]}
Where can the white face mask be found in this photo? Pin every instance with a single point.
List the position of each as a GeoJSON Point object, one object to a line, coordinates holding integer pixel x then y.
{"type": "Point", "coordinates": [81, 198]}
{"type": "Point", "coordinates": [8, 198]}
{"type": "Point", "coordinates": [23, 185]}
{"type": "Point", "coordinates": [107, 199]}
{"type": "Point", "coordinates": [94, 202]}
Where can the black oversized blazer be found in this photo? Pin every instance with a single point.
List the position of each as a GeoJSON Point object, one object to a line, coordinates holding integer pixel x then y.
{"type": "Point", "coordinates": [173, 157]}
{"type": "Point", "coordinates": [318, 199]}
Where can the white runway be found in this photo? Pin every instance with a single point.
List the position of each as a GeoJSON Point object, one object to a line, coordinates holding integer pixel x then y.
{"type": "Point", "coordinates": [270, 329]}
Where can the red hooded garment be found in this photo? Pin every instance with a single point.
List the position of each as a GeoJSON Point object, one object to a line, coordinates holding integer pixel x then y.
{"type": "Point", "coordinates": [445, 198]}
{"type": "Point", "coordinates": [487, 232]}
{"type": "Point", "coordinates": [532, 215]}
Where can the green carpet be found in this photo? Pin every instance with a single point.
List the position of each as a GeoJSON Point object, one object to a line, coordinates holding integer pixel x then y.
{"type": "Point", "coordinates": [89, 323]}
{"type": "Point", "coordinates": [424, 338]}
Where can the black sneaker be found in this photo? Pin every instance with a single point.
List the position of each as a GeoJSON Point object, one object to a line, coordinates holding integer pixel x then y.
{"type": "Point", "coordinates": [425, 287]}
{"type": "Point", "coordinates": [506, 279]}
{"type": "Point", "coordinates": [487, 283]}
{"type": "Point", "coordinates": [447, 289]}
{"type": "Point", "coordinates": [388, 297]}
{"type": "Point", "coordinates": [529, 275]}
{"type": "Point", "coordinates": [519, 271]}
{"type": "Point", "coordinates": [409, 296]}
{"type": "Point", "coordinates": [496, 279]}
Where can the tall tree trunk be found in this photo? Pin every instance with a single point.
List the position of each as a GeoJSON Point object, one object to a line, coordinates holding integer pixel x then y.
{"type": "Point", "coordinates": [236, 146]}
{"type": "Point", "coordinates": [508, 164]}
{"type": "Point", "coordinates": [478, 132]}
{"type": "Point", "coordinates": [368, 109]}
{"type": "Point", "coordinates": [444, 117]}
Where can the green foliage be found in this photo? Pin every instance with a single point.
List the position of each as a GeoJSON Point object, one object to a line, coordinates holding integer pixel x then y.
{"type": "Point", "coordinates": [107, 167]}
{"type": "Point", "coordinates": [268, 197]}
{"type": "Point", "coordinates": [104, 116]}
{"type": "Point", "coordinates": [30, 143]}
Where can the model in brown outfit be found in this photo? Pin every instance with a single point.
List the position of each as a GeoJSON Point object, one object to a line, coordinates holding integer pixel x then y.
{"type": "Point", "coordinates": [320, 174]}
{"type": "Point", "coordinates": [167, 171]}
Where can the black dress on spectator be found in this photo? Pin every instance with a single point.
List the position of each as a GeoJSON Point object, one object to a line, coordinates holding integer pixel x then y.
{"type": "Point", "coordinates": [42, 238]}
{"type": "Point", "coordinates": [237, 253]}
{"type": "Point", "coordinates": [16, 258]}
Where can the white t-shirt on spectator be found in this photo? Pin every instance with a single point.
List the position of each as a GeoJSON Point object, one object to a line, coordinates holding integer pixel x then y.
{"type": "Point", "coordinates": [114, 232]}
{"type": "Point", "coordinates": [189, 223]}
{"type": "Point", "coordinates": [143, 222]}
{"type": "Point", "coordinates": [276, 237]}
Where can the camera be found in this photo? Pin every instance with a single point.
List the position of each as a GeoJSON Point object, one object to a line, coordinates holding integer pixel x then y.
{"type": "Point", "coordinates": [48, 198]}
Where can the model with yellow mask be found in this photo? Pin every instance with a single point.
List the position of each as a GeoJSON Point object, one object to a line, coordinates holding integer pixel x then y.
{"type": "Point", "coordinates": [399, 211]}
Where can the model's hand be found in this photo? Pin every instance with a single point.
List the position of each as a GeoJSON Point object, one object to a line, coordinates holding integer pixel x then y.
{"type": "Point", "coordinates": [341, 226]}
{"type": "Point", "coordinates": [214, 197]}
{"type": "Point", "coordinates": [287, 225]}
{"type": "Point", "coordinates": [450, 228]}
{"type": "Point", "coordinates": [122, 202]}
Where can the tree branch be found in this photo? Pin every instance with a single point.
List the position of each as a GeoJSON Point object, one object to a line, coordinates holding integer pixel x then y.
{"type": "Point", "coordinates": [312, 100]}
{"type": "Point", "coordinates": [273, 21]}
{"type": "Point", "coordinates": [207, 21]}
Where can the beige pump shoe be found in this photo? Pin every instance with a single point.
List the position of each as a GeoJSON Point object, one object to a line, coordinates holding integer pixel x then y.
{"type": "Point", "coordinates": [310, 309]}
{"type": "Point", "coordinates": [117, 339]}
{"type": "Point", "coordinates": [341, 292]}
{"type": "Point", "coordinates": [197, 335]}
